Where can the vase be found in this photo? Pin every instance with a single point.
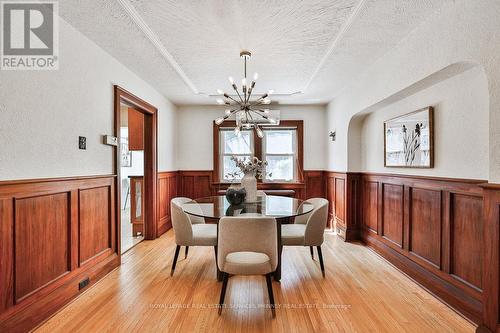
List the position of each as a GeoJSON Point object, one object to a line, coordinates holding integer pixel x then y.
{"type": "Point", "coordinates": [235, 196]}
{"type": "Point", "coordinates": [249, 183]}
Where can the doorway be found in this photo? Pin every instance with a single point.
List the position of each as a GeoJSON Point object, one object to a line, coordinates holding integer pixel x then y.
{"type": "Point", "coordinates": [131, 141]}
{"type": "Point", "coordinates": [136, 170]}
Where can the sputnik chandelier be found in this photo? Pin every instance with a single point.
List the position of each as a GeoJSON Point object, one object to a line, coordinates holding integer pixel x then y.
{"type": "Point", "coordinates": [248, 113]}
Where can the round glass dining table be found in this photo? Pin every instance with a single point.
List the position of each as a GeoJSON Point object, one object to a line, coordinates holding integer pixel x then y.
{"type": "Point", "coordinates": [283, 209]}
{"type": "Point", "coordinates": [278, 207]}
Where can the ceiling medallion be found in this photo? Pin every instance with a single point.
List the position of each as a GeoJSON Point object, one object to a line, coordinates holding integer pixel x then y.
{"type": "Point", "coordinates": [248, 113]}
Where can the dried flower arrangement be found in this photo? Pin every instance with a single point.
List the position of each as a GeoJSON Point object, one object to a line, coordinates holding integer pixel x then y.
{"type": "Point", "coordinates": [253, 165]}
{"type": "Point", "coordinates": [411, 142]}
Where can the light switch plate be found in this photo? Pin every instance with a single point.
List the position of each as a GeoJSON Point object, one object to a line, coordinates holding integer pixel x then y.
{"type": "Point", "coordinates": [82, 142]}
{"type": "Point", "coordinates": [110, 140]}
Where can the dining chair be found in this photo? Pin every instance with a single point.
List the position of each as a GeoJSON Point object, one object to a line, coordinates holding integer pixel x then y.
{"type": "Point", "coordinates": [308, 229]}
{"type": "Point", "coordinates": [190, 230]}
{"type": "Point", "coordinates": [247, 246]}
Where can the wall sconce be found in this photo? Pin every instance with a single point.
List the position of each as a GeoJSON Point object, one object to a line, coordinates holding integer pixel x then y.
{"type": "Point", "coordinates": [333, 135]}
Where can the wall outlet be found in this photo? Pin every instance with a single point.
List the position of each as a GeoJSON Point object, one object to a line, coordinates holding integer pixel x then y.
{"type": "Point", "coordinates": [82, 142]}
{"type": "Point", "coordinates": [83, 283]}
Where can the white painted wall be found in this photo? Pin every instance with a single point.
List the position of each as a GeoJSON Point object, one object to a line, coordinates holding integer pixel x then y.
{"type": "Point", "coordinates": [42, 113]}
{"type": "Point", "coordinates": [464, 33]}
{"type": "Point", "coordinates": [195, 140]}
{"type": "Point", "coordinates": [461, 128]}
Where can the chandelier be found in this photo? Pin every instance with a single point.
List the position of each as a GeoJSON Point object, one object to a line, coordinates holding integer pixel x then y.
{"type": "Point", "coordinates": [248, 113]}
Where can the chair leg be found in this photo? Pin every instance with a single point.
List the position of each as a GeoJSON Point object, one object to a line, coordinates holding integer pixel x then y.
{"type": "Point", "coordinates": [186, 252]}
{"type": "Point", "coordinates": [320, 255]}
{"type": "Point", "coordinates": [218, 272]}
{"type": "Point", "coordinates": [270, 291]}
{"type": "Point", "coordinates": [225, 278]}
{"type": "Point", "coordinates": [311, 249]}
{"type": "Point", "coordinates": [176, 255]}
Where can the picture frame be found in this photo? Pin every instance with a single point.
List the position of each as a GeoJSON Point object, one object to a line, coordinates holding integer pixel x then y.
{"type": "Point", "coordinates": [409, 140]}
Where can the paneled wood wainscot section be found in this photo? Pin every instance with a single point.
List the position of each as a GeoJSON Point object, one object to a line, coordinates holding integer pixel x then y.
{"type": "Point", "coordinates": [55, 233]}
{"type": "Point", "coordinates": [167, 189]}
{"type": "Point", "coordinates": [444, 233]}
{"type": "Point", "coordinates": [430, 228]}
{"type": "Point", "coordinates": [197, 184]}
{"type": "Point", "coordinates": [342, 190]}
{"type": "Point", "coordinates": [491, 259]}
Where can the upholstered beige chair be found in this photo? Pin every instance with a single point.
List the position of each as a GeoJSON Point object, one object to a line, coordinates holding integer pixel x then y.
{"type": "Point", "coordinates": [247, 246]}
{"type": "Point", "coordinates": [308, 230]}
{"type": "Point", "coordinates": [190, 230]}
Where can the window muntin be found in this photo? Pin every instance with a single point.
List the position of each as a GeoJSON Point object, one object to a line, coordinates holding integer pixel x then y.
{"type": "Point", "coordinates": [232, 145]}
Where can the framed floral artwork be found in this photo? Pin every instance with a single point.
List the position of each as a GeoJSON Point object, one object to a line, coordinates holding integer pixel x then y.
{"type": "Point", "coordinates": [409, 140]}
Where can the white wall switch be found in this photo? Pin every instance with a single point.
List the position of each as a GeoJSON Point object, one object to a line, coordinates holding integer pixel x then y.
{"type": "Point", "coordinates": [110, 140]}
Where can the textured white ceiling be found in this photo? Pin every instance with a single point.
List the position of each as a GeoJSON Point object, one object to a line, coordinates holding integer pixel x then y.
{"type": "Point", "coordinates": [187, 49]}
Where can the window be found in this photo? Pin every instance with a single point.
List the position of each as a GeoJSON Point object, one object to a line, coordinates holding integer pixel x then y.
{"type": "Point", "coordinates": [232, 145]}
{"type": "Point", "coordinates": [281, 147]}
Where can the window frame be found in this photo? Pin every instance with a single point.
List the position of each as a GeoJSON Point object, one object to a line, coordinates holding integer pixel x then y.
{"type": "Point", "coordinates": [223, 154]}
{"type": "Point", "coordinates": [296, 171]}
{"type": "Point", "coordinates": [258, 150]}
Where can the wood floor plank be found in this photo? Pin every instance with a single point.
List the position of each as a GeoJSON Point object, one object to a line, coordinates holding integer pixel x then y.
{"type": "Point", "coordinates": [361, 293]}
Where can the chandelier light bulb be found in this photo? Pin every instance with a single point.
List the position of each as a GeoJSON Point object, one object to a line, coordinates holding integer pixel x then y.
{"type": "Point", "coordinates": [266, 111]}
{"type": "Point", "coordinates": [271, 120]}
{"type": "Point", "coordinates": [231, 80]}
{"type": "Point", "coordinates": [220, 101]}
{"type": "Point", "coordinates": [244, 82]}
{"type": "Point", "coordinates": [270, 92]}
{"type": "Point", "coordinates": [255, 76]}
{"type": "Point", "coordinates": [219, 121]}
{"type": "Point", "coordinates": [266, 101]}
{"type": "Point", "coordinates": [220, 92]}
{"type": "Point", "coordinates": [247, 125]}
{"type": "Point", "coordinates": [228, 112]}
{"type": "Point", "coordinates": [260, 134]}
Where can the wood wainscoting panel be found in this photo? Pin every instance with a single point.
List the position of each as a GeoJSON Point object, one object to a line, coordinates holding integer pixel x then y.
{"type": "Point", "coordinates": [195, 184]}
{"type": "Point", "coordinates": [95, 222]}
{"type": "Point", "coordinates": [432, 229]}
{"type": "Point", "coordinates": [6, 254]}
{"type": "Point", "coordinates": [370, 205]}
{"type": "Point", "coordinates": [466, 239]}
{"type": "Point", "coordinates": [340, 201]}
{"type": "Point", "coordinates": [314, 184]}
{"type": "Point", "coordinates": [330, 196]}
{"type": "Point", "coordinates": [392, 213]}
{"type": "Point", "coordinates": [45, 225]}
{"type": "Point", "coordinates": [41, 249]}
{"type": "Point", "coordinates": [344, 194]}
{"type": "Point", "coordinates": [167, 189]}
{"type": "Point", "coordinates": [491, 259]}
{"type": "Point", "coordinates": [425, 225]}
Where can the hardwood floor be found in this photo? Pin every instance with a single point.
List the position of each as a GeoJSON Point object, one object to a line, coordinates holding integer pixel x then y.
{"type": "Point", "coordinates": [361, 293]}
